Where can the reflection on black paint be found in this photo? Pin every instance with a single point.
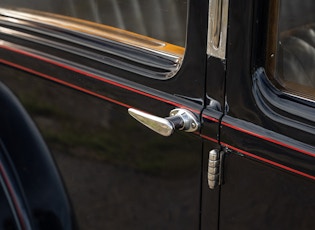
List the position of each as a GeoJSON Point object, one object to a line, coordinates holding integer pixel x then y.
{"type": "Point", "coordinates": [119, 174]}
{"type": "Point", "coordinates": [7, 221]}
{"type": "Point", "coordinates": [46, 220]}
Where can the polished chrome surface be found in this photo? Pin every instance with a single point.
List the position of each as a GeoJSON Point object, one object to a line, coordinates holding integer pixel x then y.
{"type": "Point", "coordinates": [160, 125]}
{"type": "Point", "coordinates": [214, 168]}
{"type": "Point", "coordinates": [108, 160]}
{"type": "Point", "coordinates": [120, 46]}
{"type": "Point", "coordinates": [217, 28]}
{"type": "Point", "coordinates": [212, 184]}
{"type": "Point", "coordinates": [191, 123]}
{"type": "Point", "coordinates": [217, 21]}
{"type": "Point", "coordinates": [214, 164]}
{"type": "Point", "coordinates": [146, 17]}
{"type": "Point", "coordinates": [213, 155]}
{"type": "Point", "coordinates": [180, 119]}
{"type": "Point", "coordinates": [212, 180]}
{"type": "Point", "coordinates": [95, 29]}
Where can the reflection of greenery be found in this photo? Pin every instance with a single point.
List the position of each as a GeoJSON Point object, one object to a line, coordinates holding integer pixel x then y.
{"type": "Point", "coordinates": [87, 128]}
{"type": "Point", "coordinates": [43, 109]}
{"type": "Point", "coordinates": [154, 156]}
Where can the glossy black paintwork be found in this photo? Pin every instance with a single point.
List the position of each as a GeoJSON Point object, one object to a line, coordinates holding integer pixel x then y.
{"type": "Point", "coordinates": [120, 174]}
{"type": "Point", "coordinates": [117, 172]}
{"type": "Point", "coordinates": [36, 190]}
{"type": "Point", "coordinates": [215, 84]}
{"type": "Point", "coordinates": [141, 18]}
{"type": "Point", "coordinates": [7, 220]}
{"type": "Point", "coordinates": [14, 194]}
{"type": "Point", "coordinates": [282, 108]}
{"type": "Point", "coordinates": [246, 39]}
{"type": "Point", "coordinates": [140, 179]}
{"type": "Point", "coordinates": [189, 85]}
{"type": "Point", "coordinates": [115, 56]}
{"type": "Point", "coordinates": [244, 87]}
{"type": "Point", "coordinates": [269, 168]}
{"type": "Point", "coordinates": [257, 196]}
{"type": "Point", "coordinates": [277, 148]}
{"type": "Point", "coordinates": [210, 205]}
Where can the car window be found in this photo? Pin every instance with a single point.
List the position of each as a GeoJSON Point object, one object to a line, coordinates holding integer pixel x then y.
{"type": "Point", "coordinates": [294, 70]}
{"type": "Point", "coordinates": [160, 19]}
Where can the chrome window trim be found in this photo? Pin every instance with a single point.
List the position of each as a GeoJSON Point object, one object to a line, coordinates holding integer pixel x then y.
{"type": "Point", "coordinates": [158, 60]}
{"type": "Point", "coordinates": [217, 28]}
{"type": "Point", "coordinates": [95, 29]}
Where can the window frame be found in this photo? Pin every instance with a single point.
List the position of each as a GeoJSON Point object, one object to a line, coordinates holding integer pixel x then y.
{"type": "Point", "coordinates": [295, 91]}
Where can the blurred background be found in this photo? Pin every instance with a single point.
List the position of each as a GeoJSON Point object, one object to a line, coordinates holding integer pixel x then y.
{"type": "Point", "coordinates": [161, 19]}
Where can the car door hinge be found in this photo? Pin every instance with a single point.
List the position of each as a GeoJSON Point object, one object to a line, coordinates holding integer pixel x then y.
{"type": "Point", "coordinates": [215, 168]}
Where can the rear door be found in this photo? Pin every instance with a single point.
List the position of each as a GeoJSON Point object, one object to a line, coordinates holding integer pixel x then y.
{"type": "Point", "coordinates": [78, 79]}
{"type": "Point", "coordinates": [268, 129]}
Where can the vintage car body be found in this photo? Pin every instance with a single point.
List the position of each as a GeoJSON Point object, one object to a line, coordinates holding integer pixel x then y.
{"type": "Point", "coordinates": [68, 84]}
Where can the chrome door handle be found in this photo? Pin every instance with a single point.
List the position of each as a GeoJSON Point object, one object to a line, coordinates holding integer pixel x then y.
{"type": "Point", "coordinates": [180, 119]}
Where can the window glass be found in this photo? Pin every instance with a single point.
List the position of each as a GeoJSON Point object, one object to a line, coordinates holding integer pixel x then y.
{"type": "Point", "coordinates": [161, 19]}
{"type": "Point", "coordinates": [295, 58]}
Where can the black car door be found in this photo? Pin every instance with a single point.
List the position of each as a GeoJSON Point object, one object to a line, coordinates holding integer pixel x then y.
{"type": "Point", "coordinates": [268, 129]}
{"type": "Point", "coordinates": [78, 79]}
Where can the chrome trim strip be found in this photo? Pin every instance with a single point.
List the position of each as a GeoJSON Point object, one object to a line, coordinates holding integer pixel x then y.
{"type": "Point", "coordinates": [217, 28]}
{"type": "Point", "coordinates": [167, 57]}
{"type": "Point", "coordinates": [107, 78]}
{"type": "Point", "coordinates": [95, 29]}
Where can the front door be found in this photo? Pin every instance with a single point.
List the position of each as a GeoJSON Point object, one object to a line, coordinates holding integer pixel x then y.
{"type": "Point", "coordinates": [78, 79]}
